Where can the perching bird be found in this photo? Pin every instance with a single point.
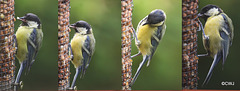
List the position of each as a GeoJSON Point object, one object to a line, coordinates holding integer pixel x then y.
{"type": "Point", "coordinates": [150, 31]}
{"type": "Point", "coordinates": [29, 39]}
{"type": "Point", "coordinates": [82, 48]}
{"type": "Point", "coordinates": [217, 35]}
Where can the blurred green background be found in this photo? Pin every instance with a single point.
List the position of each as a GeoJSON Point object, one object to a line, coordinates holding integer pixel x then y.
{"type": "Point", "coordinates": [104, 71]}
{"type": "Point", "coordinates": [230, 73]}
{"type": "Point", "coordinates": [164, 71]}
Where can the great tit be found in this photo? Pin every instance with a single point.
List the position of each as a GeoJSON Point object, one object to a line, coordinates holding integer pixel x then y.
{"type": "Point", "coordinates": [29, 38]}
{"type": "Point", "coordinates": [217, 35]}
{"type": "Point", "coordinates": [150, 31]}
{"type": "Point", "coordinates": [82, 48]}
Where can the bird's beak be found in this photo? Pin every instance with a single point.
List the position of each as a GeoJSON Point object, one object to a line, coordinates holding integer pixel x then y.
{"type": "Point", "coordinates": [22, 19]}
{"type": "Point", "coordinates": [72, 26]}
{"type": "Point", "coordinates": [200, 15]}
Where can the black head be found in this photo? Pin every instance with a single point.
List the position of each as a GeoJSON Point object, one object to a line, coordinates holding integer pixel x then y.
{"type": "Point", "coordinates": [30, 17]}
{"type": "Point", "coordinates": [208, 11]}
{"type": "Point", "coordinates": [81, 24]}
{"type": "Point", "coordinates": [155, 17]}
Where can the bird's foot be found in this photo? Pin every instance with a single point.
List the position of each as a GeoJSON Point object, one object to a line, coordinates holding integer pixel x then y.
{"type": "Point", "coordinates": [202, 55]}
{"type": "Point", "coordinates": [72, 88]}
{"type": "Point", "coordinates": [20, 84]}
{"type": "Point", "coordinates": [138, 43]}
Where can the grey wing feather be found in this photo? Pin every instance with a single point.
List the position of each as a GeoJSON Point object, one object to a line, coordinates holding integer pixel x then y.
{"type": "Point", "coordinates": [86, 53]}
{"type": "Point", "coordinates": [156, 39]}
{"type": "Point", "coordinates": [226, 34]}
{"type": "Point", "coordinates": [32, 45]}
{"type": "Point", "coordinates": [228, 26]}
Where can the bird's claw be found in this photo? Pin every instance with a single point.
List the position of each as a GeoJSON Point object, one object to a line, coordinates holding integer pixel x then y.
{"type": "Point", "coordinates": [138, 43]}
{"type": "Point", "coordinates": [20, 84]}
{"type": "Point", "coordinates": [75, 88]}
{"type": "Point", "coordinates": [207, 37]}
{"type": "Point", "coordinates": [70, 88]}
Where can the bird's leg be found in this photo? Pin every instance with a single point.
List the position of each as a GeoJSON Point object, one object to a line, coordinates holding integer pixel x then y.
{"type": "Point", "coordinates": [16, 83]}
{"type": "Point", "coordinates": [139, 53]}
{"type": "Point", "coordinates": [205, 37]}
{"type": "Point", "coordinates": [15, 42]}
{"type": "Point", "coordinates": [75, 78]}
{"type": "Point", "coordinates": [203, 55]}
{"type": "Point", "coordinates": [135, 36]}
{"type": "Point", "coordinates": [201, 26]}
{"type": "Point", "coordinates": [145, 58]}
{"type": "Point", "coordinates": [70, 50]}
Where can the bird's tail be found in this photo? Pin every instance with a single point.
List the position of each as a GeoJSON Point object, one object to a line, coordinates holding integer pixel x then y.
{"type": "Point", "coordinates": [216, 60]}
{"type": "Point", "coordinates": [145, 58]}
{"type": "Point", "coordinates": [75, 77]}
{"type": "Point", "coordinates": [19, 73]}
{"type": "Point", "coordinates": [29, 68]}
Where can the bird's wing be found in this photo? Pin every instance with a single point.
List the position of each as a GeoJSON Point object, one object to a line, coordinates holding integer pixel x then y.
{"type": "Point", "coordinates": [155, 39]}
{"type": "Point", "coordinates": [86, 53]}
{"type": "Point", "coordinates": [32, 46]}
{"type": "Point", "coordinates": [228, 26]}
{"type": "Point", "coordinates": [226, 33]}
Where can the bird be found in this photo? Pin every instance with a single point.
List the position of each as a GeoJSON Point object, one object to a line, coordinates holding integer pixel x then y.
{"type": "Point", "coordinates": [217, 35]}
{"type": "Point", "coordinates": [82, 47]}
{"type": "Point", "coordinates": [29, 38]}
{"type": "Point", "coordinates": [150, 31]}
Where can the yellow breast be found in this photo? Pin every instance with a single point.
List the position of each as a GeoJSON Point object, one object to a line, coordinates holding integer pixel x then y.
{"type": "Point", "coordinates": [22, 35]}
{"type": "Point", "coordinates": [76, 44]}
{"type": "Point", "coordinates": [211, 29]}
{"type": "Point", "coordinates": [144, 36]}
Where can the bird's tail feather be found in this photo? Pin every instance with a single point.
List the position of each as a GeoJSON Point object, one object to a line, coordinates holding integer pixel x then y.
{"type": "Point", "coordinates": [75, 77]}
{"type": "Point", "coordinates": [145, 58]}
{"type": "Point", "coordinates": [149, 59]}
{"type": "Point", "coordinates": [29, 68]}
{"type": "Point", "coordinates": [225, 51]}
{"type": "Point", "coordinates": [19, 73]}
{"type": "Point", "coordinates": [216, 60]}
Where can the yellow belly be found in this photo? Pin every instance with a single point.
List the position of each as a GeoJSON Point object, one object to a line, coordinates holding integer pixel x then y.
{"type": "Point", "coordinates": [144, 36]}
{"type": "Point", "coordinates": [76, 44]}
{"type": "Point", "coordinates": [22, 35]}
{"type": "Point", "coordinates": [212, 30]}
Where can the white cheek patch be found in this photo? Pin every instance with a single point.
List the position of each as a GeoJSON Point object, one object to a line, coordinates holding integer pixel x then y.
{"type": "Point", "coordinates": [158, 24]}
{"type": "Point", "coordinates": [82, 30]}
{"type": "Point", "coordinates": [211, 12]}
{"type": "Point", "coordinates": [32, 24]}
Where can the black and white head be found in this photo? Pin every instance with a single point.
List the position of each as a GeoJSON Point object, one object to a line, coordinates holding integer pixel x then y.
{"type": "Point", "coordinates": [208, 11]}
{"type": "Point", "coordinates": [156, 18]}
{"type": "Point", "coordinates": [82, 27]}
{"type": "Point", "coordinates": [30, 20]}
